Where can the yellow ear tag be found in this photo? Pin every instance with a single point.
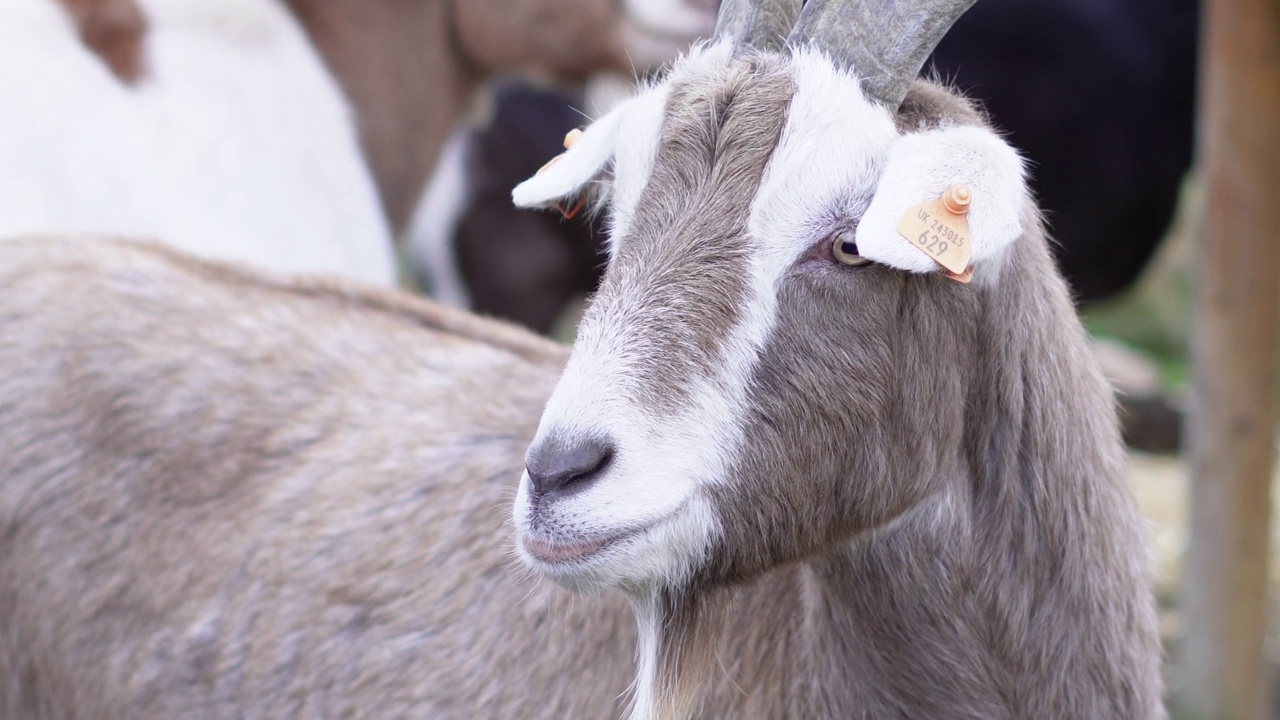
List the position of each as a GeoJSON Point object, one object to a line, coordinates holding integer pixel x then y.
{"type": "Point", "coordinates": [940, 228]}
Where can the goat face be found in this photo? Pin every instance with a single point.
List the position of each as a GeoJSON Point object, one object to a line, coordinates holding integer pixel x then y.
{"type": "Point", "coordinates": [738, 397]}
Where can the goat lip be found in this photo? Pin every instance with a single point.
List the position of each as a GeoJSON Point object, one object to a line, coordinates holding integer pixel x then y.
{"type": "Point", "coordinates": [551, 552]}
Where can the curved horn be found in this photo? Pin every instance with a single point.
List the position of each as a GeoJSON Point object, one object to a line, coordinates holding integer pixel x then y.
{"type": "Point", "coordinates": [885, 41]}
{"type": "Point", "coordinates": [762, 24]}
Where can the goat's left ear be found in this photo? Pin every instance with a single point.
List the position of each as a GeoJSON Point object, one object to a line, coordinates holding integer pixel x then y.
{"type": "Point", "coordinates": [566, 178]}
{"type": "Point", "coordinates": [921, 167]}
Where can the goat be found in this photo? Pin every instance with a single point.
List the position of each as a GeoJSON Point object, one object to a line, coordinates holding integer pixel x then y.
{"type": "Point", "coordinates": [833, 481]}
{"type": "Point", "coordinates": [412, 68]}
{"type": "Point", "coordinates": [828, 480]}
{"type": "Point", "coordinates": [212, 124]}
{"type": "Point", "coordinates": [224, 495]}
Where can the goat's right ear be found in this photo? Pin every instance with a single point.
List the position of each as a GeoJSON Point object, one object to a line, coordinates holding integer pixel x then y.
{"type": "Point", "coordinates": [565, 179]}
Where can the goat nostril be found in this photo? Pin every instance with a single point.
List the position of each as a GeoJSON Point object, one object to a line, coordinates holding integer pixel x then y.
{"type": "Point", "coordinates": [553, 467]}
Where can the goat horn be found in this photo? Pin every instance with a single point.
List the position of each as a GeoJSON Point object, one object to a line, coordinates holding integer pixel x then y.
{"type": "Point", "coordinates": [761, 24]}
{"type": "Point", "coordinates": [885, 41]}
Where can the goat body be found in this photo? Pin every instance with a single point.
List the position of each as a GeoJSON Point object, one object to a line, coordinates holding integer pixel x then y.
{"type": "Point", "coordinates": [223, 496]}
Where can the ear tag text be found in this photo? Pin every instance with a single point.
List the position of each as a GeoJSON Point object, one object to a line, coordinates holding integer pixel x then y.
{"type": "Point", "coordinates": [940, 229]}
{"type": "Point", "coordinates": [570, 138]}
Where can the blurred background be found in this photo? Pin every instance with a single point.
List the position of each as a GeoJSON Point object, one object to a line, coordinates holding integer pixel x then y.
{"type": "Point", "coordinates": [380, 139]}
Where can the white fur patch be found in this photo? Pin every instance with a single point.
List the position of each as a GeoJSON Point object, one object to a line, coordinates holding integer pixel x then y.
{"type": "Point", "coordinates": [635, 148]}
{"type": "Point", "coordinates": [826, 162]}
{"type": "Point", "coordinates": [920, 168]}
{"type": "Point", "coordinates": [648, 627]}
{"type": "Point", "coordinates": [435, 222]}
{"type": "Point", "coordinates": [237, 144]}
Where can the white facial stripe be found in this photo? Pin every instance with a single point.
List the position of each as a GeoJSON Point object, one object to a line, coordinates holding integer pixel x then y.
{"type": "Point", "coordinates": [636, 147]}
{"type": "Point", "coordinates": [818, 168]}
{"type": "Point", "coordinates": [661, 460]}
{"type": "Point", "coordinates": [826, 159]}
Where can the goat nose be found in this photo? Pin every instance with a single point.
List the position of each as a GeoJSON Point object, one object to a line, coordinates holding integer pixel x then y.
{"type": "Point", "coordinates": [558, 466]}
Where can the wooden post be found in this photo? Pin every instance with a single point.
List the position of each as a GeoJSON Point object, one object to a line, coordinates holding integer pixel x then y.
{"type": "Point", "coordinates": [1234, 362]}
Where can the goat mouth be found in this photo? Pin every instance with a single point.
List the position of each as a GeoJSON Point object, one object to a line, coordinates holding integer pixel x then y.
{"type": "Point", "coordinates": [556, 553]}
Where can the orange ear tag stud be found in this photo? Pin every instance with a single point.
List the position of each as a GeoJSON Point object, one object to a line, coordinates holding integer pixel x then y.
{"type": "Point", "coordinates": [569, 139]}
{"type": "Point", "coordinates": [940, 228]}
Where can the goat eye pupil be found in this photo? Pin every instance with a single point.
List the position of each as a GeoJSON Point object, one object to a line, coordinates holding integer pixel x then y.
{"type": "Point", "coordinates": [849, 248]}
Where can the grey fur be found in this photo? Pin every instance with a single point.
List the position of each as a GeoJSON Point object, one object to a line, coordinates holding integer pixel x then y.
{"type": "Point", "coordinates": [715, 145]}
{"type": "Point", "coordinates": [930, 516]}
{"type": "Point", "coordinates": [226, 496]}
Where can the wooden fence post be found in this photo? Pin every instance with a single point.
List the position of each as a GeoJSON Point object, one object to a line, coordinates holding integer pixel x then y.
{"type": "Point", "coordinates": [1231, 434]}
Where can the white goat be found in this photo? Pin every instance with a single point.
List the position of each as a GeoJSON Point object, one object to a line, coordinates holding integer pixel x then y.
{"type": "Point", "coordinates": [831, 481]}
{"type": "Point", "coordinates": [233, 142]}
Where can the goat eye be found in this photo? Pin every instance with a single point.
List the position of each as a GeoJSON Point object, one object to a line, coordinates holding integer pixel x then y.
{"type": "Point", "coordinates": [845, 250]}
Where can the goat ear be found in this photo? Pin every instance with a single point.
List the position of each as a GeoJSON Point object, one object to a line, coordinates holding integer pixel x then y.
{"type": "Point", "coordinates": [579, 165]}
{"type": "Point", "coordinates": [921, 167]}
